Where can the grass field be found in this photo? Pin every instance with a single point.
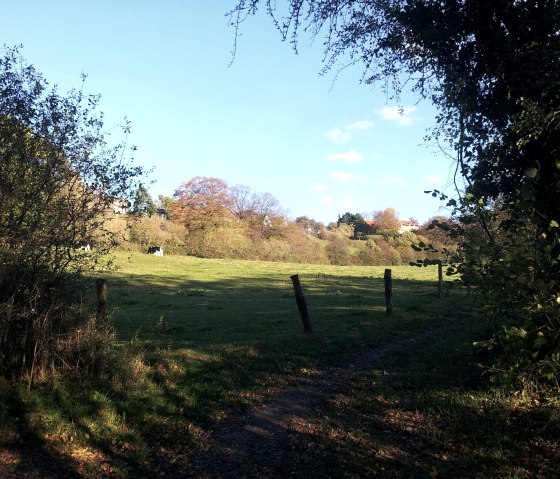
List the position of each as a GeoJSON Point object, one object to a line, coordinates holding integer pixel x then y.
{"type": "Point", "coordinates": [187, 300]}
{"type": "Point", "coordinates": [200, 340]}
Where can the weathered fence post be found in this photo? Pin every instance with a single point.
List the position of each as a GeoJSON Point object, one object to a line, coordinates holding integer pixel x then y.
{"type": "Point", "coordinates": [302, 305]}
{"type": "Point", "coordinates": [102, 294]}
{"type": "Point", "coordinates": [388, 291]}
{"type": "Point", "coordinates": [440, 280]}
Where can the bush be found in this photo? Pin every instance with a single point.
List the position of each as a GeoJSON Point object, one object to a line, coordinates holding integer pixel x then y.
{"type": "Point", "coordinates": [371, 255]}
{"type": "Point", "coordinates": [46, 326]}
{"type": "Point", "coordinates": [146, 232]}
{"type": "Point", "coordinates": [59, 185]}
{"type": "Point", "coordinates": [337, 251]}
{"type": "Point", "coordinates": [228, 241]}
{"type": "Point", "coordinates": [389, 255]}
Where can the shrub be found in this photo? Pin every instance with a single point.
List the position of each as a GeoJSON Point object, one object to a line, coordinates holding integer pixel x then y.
{"type": "Point", "coordinates": [371, 255]}
{"type": "Point", "coordinates": [48, 327]}
{"type": "Point", "coordinates": [59, 185]}
{"type": "Point", "coordinates": [337, 251]}
{"type": "Point", "coordinates": [146, 232]}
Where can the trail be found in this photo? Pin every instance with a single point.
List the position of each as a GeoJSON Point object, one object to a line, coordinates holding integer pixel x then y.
{"type": "Point", "coordinates": [255, 444]}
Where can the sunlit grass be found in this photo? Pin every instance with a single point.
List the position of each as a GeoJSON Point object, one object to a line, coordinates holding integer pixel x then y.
{"type": "Point", "coordinates": [190, 300]}
{"type": "Point", "coordinates": [198, 340]}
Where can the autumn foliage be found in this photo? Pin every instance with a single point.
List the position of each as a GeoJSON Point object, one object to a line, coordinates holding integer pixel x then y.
{"type": "Point", "coordinates": [210, 219]}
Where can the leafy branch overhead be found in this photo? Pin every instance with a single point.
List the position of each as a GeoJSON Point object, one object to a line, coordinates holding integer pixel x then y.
{"type": "Point", "coordinates": [493, 71]}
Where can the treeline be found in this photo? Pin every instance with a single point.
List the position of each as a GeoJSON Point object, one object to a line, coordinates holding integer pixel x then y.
{"type": "Point", "coordinates": [210, 219]}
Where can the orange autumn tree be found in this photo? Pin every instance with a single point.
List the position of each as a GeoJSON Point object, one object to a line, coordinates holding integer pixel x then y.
{"type": "Point", "coordinates": [387, 222]}
{"type": "Point", "coordinates": [202, 203]}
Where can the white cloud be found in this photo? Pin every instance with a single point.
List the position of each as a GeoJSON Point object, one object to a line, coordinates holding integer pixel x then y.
{"type": "Point", "coordinates": [351, 156]}
{"type": "Point", "coordinates": [433, 179]}
{"type": "Point", "coordinates": [401, 115]}
{"type": "Point", "coordinates": [326, 201]}
{"type": "Point", "coordinates": [338, 136]}
{"type": "Point", "coordinates": [359, 125]}
{"type": "Point", "coordinates": [342, 135]}
{"type": "Point", "coordinates": [344, 177]}
{"type": "Point", "coordinates": [319, 187]}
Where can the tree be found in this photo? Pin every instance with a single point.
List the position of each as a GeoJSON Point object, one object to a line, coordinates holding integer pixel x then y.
{"type": "Point", "coordinates": [246, 203]}
{"type": "Point", "coordinates": [202, 203]}
{"type": "Point", "coordinates": [432, 229]}
{"type": "Point", "coordinates": [143, 204]}
{"type": "Point", "coordinates": [268, 205]}
{"type": "Point", "coordinates": [343, 230]}
{"type": "Point", "coordinates": [165, 203]}
{"type": "Point", "coordinates": [337, 251]}
{"type": "Point", "coordinates": [357, 222]}
{"type": "Point", "coordinates": [387, 222]}
{"type": "Point", "coordinates": [347, 219]}
{"type": "Point", "coordinates": [243, 203]}
{"type": "Point", "coordinates": [260, 212]}
{"type": "Point", "coordinates": [59, 181]}
{"type": "Point", "coordinates": [493, 71]}
{"type": "Point", "coordinates": [311, 226]}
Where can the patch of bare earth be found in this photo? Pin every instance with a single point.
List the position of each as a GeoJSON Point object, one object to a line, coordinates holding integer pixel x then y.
{"type": "Point", "coordinates": [269, 440]}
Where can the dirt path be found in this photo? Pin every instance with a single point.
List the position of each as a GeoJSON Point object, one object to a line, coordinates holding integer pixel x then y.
{"type": "Point", "coordinates": [257, 443]}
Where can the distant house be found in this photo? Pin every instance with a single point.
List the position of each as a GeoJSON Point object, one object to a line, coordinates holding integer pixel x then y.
{"type": "Point", "coordinates": [313, 232]}
{"type": "Point", "coordinates": [161, 214]}
{"type": "Point", "coordinates": [408, 225]}
{"type": "Point", "coordinates": [120, 206]}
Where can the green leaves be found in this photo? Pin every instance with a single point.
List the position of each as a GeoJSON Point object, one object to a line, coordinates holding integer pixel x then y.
{"type": "Point", "coordinates": [60, 183]}
{"type": "Point", "coordinates": [531, 172]}
{"type": "Point", "coordinates": [491, 70]}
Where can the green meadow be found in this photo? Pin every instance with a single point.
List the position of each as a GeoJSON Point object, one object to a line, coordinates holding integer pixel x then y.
{"type": "Point", "coordinates": [198, 341]}
{"type": "Point", "coordinates": [186, 301]}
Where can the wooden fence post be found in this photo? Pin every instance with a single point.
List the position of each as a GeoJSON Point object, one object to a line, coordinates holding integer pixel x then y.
{"type": "Point", "coordinates": [440, 280]}
{"type": "Point", "coordinates": [302, 305]}
{"type": "Point", "coordinates": [388, 291]}
{"type": "Point", "coordinates": [102, 294]}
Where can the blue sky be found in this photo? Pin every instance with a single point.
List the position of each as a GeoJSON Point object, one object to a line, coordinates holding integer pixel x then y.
{"type": "Point", "coordinates": [269, 120]}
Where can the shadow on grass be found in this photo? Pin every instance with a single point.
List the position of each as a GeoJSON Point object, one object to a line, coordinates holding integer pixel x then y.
{"type": "Point", "coordinates": [141, 428]}
{"type": "Point", "coordinates": [208, 348]}
{"type": "Point", "coordinates": [22, 441]}
{"type": "Point", "coordinates": [424, 411]}
{"type": "Point", "coordinates": [427, 412]}
{"type": "Point", "coordinates": [257, 308]}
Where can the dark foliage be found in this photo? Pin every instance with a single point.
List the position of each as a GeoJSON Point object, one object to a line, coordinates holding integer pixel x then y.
{"type": "Point", "coordinates": [492, 69]}
{"type": "Point", "coordinates": [59, 182]}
